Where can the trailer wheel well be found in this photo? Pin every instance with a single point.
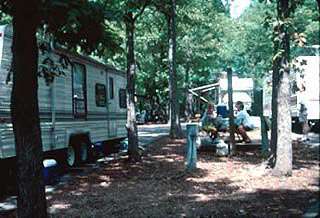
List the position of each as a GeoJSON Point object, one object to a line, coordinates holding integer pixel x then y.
{"type": "Point", "coordinates": [78, 149]}
{"type": "Point", "coordinates": [76, 138]}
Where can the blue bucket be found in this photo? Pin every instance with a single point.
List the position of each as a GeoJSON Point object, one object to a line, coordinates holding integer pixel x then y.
{"type": "Point", "coordinates": [50, 171]}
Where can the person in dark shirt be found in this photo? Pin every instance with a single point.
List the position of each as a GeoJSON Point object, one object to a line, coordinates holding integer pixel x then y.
{"type": "Point", "coordinates": [208, 122]}
{"type": "Point", "coordinates": [303, 120]}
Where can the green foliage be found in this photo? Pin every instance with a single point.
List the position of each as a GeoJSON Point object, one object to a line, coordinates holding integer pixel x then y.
{"type": "Point", "coordinates": [208, 39]}
{"type": "Point", "coordinates": [81, 24]}
{"type": "Point", "coordinates": [306, 23]}
{"type": "Point", "coordinates": [198, 40]}
{"type": "Point", "coordinates": [4, 18]}
{"type": "Point", "coordinates": [256, 35]}
{"type": "Point", "coordinates": [78, 24]}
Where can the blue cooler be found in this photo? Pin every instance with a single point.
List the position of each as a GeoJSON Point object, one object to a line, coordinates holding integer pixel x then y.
{"type": "Point", "coordinates": [50, 171]}
{"type": "Point", "coordinates": [222, 111]}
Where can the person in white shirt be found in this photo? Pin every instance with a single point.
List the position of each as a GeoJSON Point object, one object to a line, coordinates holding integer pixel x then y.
{"type": "Point", "coordinates": [243, 122]}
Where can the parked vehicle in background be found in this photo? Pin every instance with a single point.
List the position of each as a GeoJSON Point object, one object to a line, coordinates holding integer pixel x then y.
{"type": "Point", "coordinates": [305, 87]}
{"type": "Point", "coordinates": [141, 117]}
{"type": "Point", "coordinates": [217, 93]}
{"type": "Point", "coordinates": [242, 91]}
{"type": "Point", "coordinates": [82, 109]}
{"type": "Point", "coordinates": [304, 80]}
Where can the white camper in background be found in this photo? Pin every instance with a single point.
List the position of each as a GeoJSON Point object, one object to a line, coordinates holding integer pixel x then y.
{"type": "Point", "coordinates": [242, 89]}
{"type": "Point", "coordinates": [305, 90]}
{"type": "Point", "coordinates": [305, 86]}
{"type": "Point", "coordinates": [83, 108]}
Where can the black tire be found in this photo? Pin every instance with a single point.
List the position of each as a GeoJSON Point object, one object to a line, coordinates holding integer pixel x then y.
{"type": "Point", "coordinates": [82, 153]}
{"type": "Point", "coordinates": [71, 157]}
{"type": "Point", "coordinates": [77, 152]}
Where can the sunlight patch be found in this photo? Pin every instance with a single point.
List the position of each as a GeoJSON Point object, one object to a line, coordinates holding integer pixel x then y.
{"type": "Point", "coordinates": [59, 206]}
{"type": "Point", "coordinates": [202, 197]}
{"type": "Point", "coordinates": [105, 184]}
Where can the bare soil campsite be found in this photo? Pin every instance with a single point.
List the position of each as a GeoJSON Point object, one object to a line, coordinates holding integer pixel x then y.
{"type": "Point", "coordinates": [237, 186]}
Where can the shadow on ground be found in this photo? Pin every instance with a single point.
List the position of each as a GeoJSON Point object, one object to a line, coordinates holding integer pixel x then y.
{"type": "Point", "coordinates": [159, 187]}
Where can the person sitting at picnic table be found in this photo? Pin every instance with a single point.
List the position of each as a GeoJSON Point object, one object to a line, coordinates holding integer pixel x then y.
{"type": "Point", "coordinates": [208, 122]}
{"type": "Point", "coordinates": [242, 122]}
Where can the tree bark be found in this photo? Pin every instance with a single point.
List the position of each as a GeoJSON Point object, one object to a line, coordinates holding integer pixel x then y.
{"type": "Point", "coordinates": [175, 126]}
{"type": "Point", "coordinates": [133, 149]}
{"type": "Point", "coordinates": [188, 103]}
{"type": "Point", "coordinates": [274, 108]}
{"type": "Point", "coordinates": [25, 111]}
{"type": "Point", "coordinates": [231, 112]}
{"type": "Point", "coordinates": [283, 160]}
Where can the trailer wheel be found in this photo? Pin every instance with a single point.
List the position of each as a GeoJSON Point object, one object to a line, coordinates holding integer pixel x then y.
{"type": "Point", "coordinates": [78, 151]}
{"type": "Point", "coordinates": [83, 152]}
{"type": "Point", "coordinates": [71, 156]}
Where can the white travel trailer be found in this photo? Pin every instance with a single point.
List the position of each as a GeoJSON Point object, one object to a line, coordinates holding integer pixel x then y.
{"type": "Point", "coordinates": [305, 87]}
{"type": "Point", "coordinates": [304, 83]}
{"type": "Point", "coordinates": [82, 109]}
{"type": "Point", "coordinates": [242, 89]}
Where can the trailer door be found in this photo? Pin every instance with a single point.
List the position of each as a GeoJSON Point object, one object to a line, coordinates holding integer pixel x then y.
{"type": "Point", "coordinates": [79, 91]}
{"type": "Point", "coordinates": [112, 109]}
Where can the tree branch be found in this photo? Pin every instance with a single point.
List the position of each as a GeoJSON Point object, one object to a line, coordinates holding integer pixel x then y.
{"type": "Point", "coordinates": [161, 8]}
{"type": "Point", "coordinates": [146, 3]}
{"type": "Point", "coordinates": [5, 6]}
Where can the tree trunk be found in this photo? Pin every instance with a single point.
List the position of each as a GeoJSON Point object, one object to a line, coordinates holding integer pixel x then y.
{"type": "Point", "coordinates": [25, 111]}
{"type": "Point", "coordinates": [231, 115]}
{"type": "Point", "coordinates": [264, 132]}
{"type": "Point", "coordinates": [175, 127]}
{"type": "Point", "coordinates": [133, 150]}
{"type": "Point", "coordinates": [283, 161]}
{"type": "Point", "coordinates": [188, 103]}
{"type": "Point", "coordinates": [274, 108]}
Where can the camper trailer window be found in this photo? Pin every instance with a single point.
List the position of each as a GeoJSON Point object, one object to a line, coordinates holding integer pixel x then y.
{"type": "Point", "coordinates": [100, 95]}
{"type": "Point", "coordinates": [111, 88]}
{"type": "Point", "coordinates": [122, 98]}
{"type": "Point", "coordinates": [79, 90]}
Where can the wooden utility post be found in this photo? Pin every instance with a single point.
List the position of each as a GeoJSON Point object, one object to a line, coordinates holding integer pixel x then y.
{"type": "Point", "coordinates": [231, 115]}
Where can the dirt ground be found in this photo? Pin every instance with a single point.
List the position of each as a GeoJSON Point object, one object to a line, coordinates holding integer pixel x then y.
{"type": "Point", "coordinates": [236, 186]}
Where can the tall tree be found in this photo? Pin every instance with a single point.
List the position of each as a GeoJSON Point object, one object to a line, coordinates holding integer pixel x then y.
{"type": "Point", "coordinates": [168, 8]}
{"type": "Point", "coordinates": [68, 26]}
{"type": "Point", "coordinates": [175, 126]}
{"type": "Point", "coordinates": [130, 20]}
{"type": "Point", "coordinates": [24, 110]}
{"type": "Point", "coordinates": [281, 92]}
{"type": "Point", "coordinates": [281, 127]}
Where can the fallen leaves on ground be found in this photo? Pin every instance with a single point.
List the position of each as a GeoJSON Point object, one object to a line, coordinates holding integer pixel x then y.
{"type": "Point", "coordinates": [220, 187]}
{"type": "Point", "coordinates": [238, 186]}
